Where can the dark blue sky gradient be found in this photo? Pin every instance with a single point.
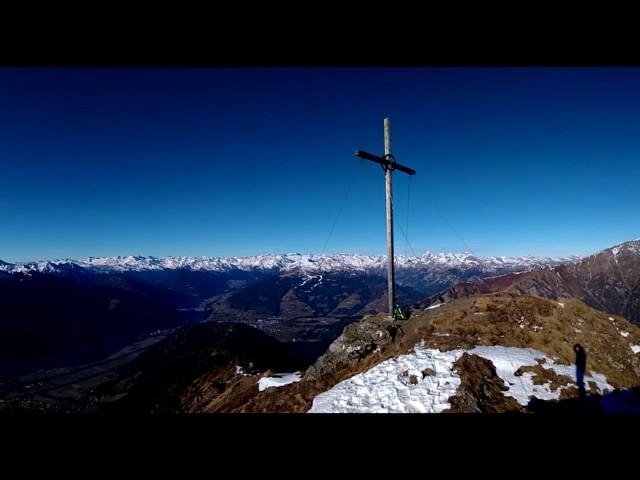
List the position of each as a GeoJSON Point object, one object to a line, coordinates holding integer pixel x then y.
{"type": "Point", "coordinates": [248, 161]}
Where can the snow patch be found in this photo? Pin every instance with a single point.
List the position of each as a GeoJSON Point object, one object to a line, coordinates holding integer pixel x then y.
{"type": "Point", "coordinates": [434, 306]}
{"type": "Point", "coordinates": [635, 348]}
{"type": "Point", "coordinates": [507, 360]}
{"type": "Point", "coordinates": [317, 283]}
{"type": "Point", "coordinates": [387, 387]}
{"type": "Point", "coordinates": [398, 385]}
{"type": "Point", "coordinates": [561, 304]}
{"type": "Point", "coordinates": [278, 380]}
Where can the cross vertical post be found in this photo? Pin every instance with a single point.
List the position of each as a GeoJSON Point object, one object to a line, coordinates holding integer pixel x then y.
{"type": "Point", "coordinates": [389, 165]}
{"type": "Point", "coordinates": [391, 289]}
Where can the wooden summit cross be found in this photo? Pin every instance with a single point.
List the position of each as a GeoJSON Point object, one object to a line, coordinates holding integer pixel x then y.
{"type": "Point", "coordinates": [389, 165]}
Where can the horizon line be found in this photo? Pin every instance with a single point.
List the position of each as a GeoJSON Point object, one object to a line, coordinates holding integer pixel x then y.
{"type": "Point", "coordinates": [271, 254]}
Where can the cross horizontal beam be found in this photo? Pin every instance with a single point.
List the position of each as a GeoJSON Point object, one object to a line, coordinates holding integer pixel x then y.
{"type": "Point", "coordinates": [384, 162]}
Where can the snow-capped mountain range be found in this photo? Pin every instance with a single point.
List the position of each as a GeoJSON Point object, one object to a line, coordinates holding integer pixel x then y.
{"type": "Point", "coordinates": [290, 261]}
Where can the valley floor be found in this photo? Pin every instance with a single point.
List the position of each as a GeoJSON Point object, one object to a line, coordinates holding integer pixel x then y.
{"type": "Point", "coordinates": [77, 382]}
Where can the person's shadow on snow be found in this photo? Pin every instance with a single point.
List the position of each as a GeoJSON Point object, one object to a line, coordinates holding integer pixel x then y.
{"type": "Point", "coordinates": [581, 366]}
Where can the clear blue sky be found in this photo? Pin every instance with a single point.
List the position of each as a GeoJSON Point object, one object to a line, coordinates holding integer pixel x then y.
{"type": "Point", "coordinates": [248, 161]}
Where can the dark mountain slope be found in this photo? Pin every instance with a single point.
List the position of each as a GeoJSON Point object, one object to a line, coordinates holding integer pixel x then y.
{"type": "Point", "coordinates": [51, 321]}
{"type": "Point", "coordinates": [608, 281]}
{"type": "Point", "coordinates": [198, 365]}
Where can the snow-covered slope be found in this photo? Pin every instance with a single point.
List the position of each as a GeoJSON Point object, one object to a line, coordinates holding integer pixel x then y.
{"type": "Point", "coordinates": [398, 385]}
{"type": "Point", "coordinates": [632, 247]}
{"type": "Point", "coordinates": [291, 261]}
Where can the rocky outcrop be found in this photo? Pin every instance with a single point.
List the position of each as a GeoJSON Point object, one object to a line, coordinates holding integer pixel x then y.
{"type": "Point", "coordinates": [481, 389]}
{"type": "Point", "coordinates": [360, 346]}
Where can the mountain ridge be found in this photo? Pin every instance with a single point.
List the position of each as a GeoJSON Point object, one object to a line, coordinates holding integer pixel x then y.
{"type": "Point", "coordinates": [608, 280]}
{"type": "Point", "coordinates": [283, 262]}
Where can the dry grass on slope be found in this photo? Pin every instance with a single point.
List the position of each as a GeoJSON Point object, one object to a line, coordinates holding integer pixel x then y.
{"type": "Point", "coordinates": [526, 321]}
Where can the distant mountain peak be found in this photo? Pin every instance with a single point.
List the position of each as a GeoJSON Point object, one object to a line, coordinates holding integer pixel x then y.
{"type": "Point", "coordinates": [632, 247]}
{"type": "Point", "coordinates": [288, 261]}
